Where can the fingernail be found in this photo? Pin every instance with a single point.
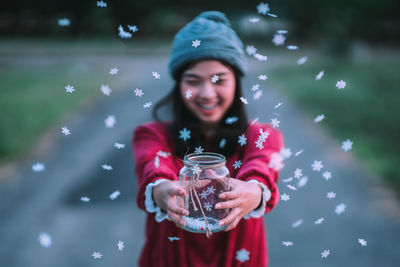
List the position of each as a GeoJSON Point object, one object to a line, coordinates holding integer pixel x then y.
{"type": "Point", "coordinates": [221, 223]}
{"type": "Point", "coordinates": [221, 196]}
{"type": "Point", "coordinates": [217, 206]}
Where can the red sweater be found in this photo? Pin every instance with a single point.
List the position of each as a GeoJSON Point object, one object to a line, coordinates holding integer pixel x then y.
{"type": "Point", "coordinates": [192, 249]}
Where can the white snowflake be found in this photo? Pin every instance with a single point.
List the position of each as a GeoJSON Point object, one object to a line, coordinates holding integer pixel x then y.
{"type": "Point", "coordinates": [207, 206]}
{"type": "Point", "coordinates": [263, 134]}
{"type": "Point", "coordinates": [69, 89]}
{"type": "Point", "coordinates": [119, 146]}
{"type": "Point", "coordinates": [231, 120]}
{"type": "Point", "coordinates": [255, 87]}
{"type": "Point", "coordinates": [285, 153]}
{"type": "Point", "coordinates": [211, 189]}
{"type": "Point", "coordinates": [251, 50]}
{"type": "Point", "coordinates": [242, 255]}
{"type": "Point", "coordinates": [319, 75]}
{"type": "Point", "coordinates": [110, 121]}
{"type": "Point", "coordinates": [287, 180]}
{"type": "Point", "coordinates": [340, 84]}
{"type": "Point", "coordinates": [319, 118]}
{"type": "Point", "coordinates": [257, 95]}
{"type": "Point", "coordinates": [244, 100]}
{"type": "Point", "coordinates": [263, 8]}
{"type": "Point", "coordinates": [317, 165]}
{"type": "Point", "coordinates": [242, 140]}
{"type": "Point", "coordinates": [297, 223]}
{"type": "Point", "coordinates": [156, 75]}
{"type": "Point", "coordinates": [331, 195]}
{"type": "Point", "coordinates": [301, 60]}
{"type": "Point", "coordinates": [278, 39]}
{"type": "Point", "coordinates": [327, 175]}
{"type": "Point", "coordinates": [196, 170]}
{"type": "Point", "coordinates": [319, 221]}
{"type": "Point", "coordinates": [113, 71]}
{"type": "Point", "coordinates": [163, 154]}
{"type": "Point", "coordinates": [196, 43]}
{"type": "Point", "coordinates": [204, 194]}
{"type": "Point", "coordinates": [362, 242]}
{"type": "Point", "coordinates": [272, 15]}
{"type": "Point", "coordinates": [262, 77]}
{"type": "Point", "coordinates": [325, 253]}
{"type": "Point", "coordinates": [64, 22]}
{"type": "Point", "coordinates": [276, 161]}
{"type": "Point", "coordinates": [97, 255]}
{"type": "Point", "coordinates": [214, 78]}
{"type": "Point", "coordinates": [188, 94]}
{"type": "Point", "coordinates": [237, 164]}
{"type": "Point", "coordinates": [198, 150]}
{"type": "Point", "coordinates": [133, 28]}
{"type": "Point", "coordinates": [285, 197]}
{"type": "Point", "coordinates": [302, 181]}
{"type": "Point", "coordinates": [222, 143]}
{"type": "Point", "coordinates": [184, 134]}
{"type": "Point", "coordinates": [254, 20]}
{"type": "Point", "coordinates": [278, 105]}
{"type": "Point", "coordinates": [287, 243]}
{"type": "Point", "coordinates": [259, 144]}
{"type": "Point", "coordinates": [282, 31]}
{"type": "Point", "coordinates": [65, 130]}
{"type": "Point", "coordinates": [254, 121]}
{"type": "Point", "coordinates": [85, 199]}
{"type": "Point", "coordinates": [291, 187]}
{"type": "Point", "coordinates": [45, 239]}
{"type": "Point", "coordinates": [123, 34]}
{"type": "Point", "coordinates": [120, 245]}
{"type": "Point", "coordinates": [105, 89]}
{"type": "Point", "coordinates": [340, 208]}
{"type": "Point", "coordinates": [298, 152]}
{"type": "Point", "coordinates": [260, 57]}
{"type": "Point", "coordinates": [147, 104]}
{"type": "Point", "coordinates": [107, 167]}
{"type": "Point", "coordinates": [138, 92]}
{"type": "Point", "coordinates": [298, 173]}
{"type": "Point", "coordinates": [172, 238]}
{"type": "Point", "coordinates": [101, 4]}
{"type": "Point", "coordinates": [292, 47]}
{"type": "Point", "coordinates": [275, 122]}
{"type": "Point", "coordinates": [347, 145]}
{"type": "Point", "coordinates": [38, 167]}
{"type": "Point", "coordinates": [156, 161]}
{"type": "Point", "coordinates": [114, 195]}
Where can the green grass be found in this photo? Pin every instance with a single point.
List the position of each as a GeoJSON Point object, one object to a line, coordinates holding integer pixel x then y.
{"type": "Point", "coordinates": [366, 111]}
{"type": "Point", "coordinates": [33, 98]}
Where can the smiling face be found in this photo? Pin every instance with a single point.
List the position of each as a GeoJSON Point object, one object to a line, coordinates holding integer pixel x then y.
{"type": "Point", "coordinates": [210, 97]}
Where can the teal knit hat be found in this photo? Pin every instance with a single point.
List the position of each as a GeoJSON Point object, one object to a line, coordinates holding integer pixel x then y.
{"type": "Point", "coordinates": [217, 41]}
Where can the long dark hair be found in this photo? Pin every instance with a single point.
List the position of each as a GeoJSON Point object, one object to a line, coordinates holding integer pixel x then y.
{"type": "Point", "coordinates": [184, 118]}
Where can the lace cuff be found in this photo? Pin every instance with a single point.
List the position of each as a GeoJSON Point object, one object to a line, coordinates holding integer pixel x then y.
{"type": "Point", "coordinates": [151, 205]}
{"type": "Point", "coordinates": [266, 195]}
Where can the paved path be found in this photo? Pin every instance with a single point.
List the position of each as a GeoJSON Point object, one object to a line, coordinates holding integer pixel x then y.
{"type": "Point", "coordinates": [31, 203]}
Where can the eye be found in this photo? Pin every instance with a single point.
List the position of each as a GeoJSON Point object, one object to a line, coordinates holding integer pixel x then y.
{"type": "Point", "coordinates": [219, 82]}
{"type": "Point", "coordinates": [192, 82]}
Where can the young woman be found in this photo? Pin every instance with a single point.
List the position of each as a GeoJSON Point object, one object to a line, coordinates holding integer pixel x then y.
{"type": "Point", "coordinates": [207, 92]}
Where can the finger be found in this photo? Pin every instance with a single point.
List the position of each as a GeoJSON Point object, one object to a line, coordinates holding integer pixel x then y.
{"type": "Point", "coordinates": [233, 224]}
{"type": "Point", "coordinates": [230, 204]}
{"type": "Point", "coordinates": [230, 195]}
{"type": "Point", "coordinates": [173, 207]}
{"type": "Point", "coordinates": [231, 216]}
{"type": "Point", "coordinates": [176, 190]}
{"type": "Point", "coordinates": [179, 222]}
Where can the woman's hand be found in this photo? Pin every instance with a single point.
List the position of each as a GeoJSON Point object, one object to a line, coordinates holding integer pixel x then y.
{"type": "Point", "coordinates": [243, 198]}
{"type": "Point", "coordinates": [166, 196]}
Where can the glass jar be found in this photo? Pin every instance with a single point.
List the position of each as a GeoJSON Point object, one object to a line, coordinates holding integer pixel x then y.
{"type": "Point", "coordinates": [204, 176]}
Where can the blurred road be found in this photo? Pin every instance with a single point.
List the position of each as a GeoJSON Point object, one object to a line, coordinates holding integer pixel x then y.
{"type": "Point", "coordinates": [49, 201]}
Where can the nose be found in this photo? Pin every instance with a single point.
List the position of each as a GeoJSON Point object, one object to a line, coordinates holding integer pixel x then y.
{"type": "Point", "coordinates": [207, 90]}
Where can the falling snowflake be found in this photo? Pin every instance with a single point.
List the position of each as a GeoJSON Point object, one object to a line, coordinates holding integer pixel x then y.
{"type": "Point", "coordinates": [319, 75]}
{"type": "Point", "coordinates": [285, 197]}
{"type": "Point", "coordinates": [319, 118]}
{"type": "Point", "coordinates": [317, 165]}
{"type": "Point", "coordinates": [110, 121]}
{"type": "Point", "coordinates": [114, 195]}
{"type": "Point", "coordinates": [319, 221]}
{"type": "Point", "coordinates": [196, 170]}
{"type": "Point", "coordinates": [362, 242]}
{"type": "Point", "coordinates": [297, 223]}
{"type": "Point", "coordinates": [254, 121]}
{"type": "Point", "coordinates": [347, 145]}
{"type": "Point", "coordinates": [69, 89]}
{"type": "Point", "coordinates": [272, 15]}
{"type": "Point", "coordinates": [198, 150]}
{"type": "Point", "coordinates": [207, 206]}
{"type": "Point", "coordinates": [214, 78]}
{"type": "Point", "coordinates": [222, 143]}
{"type": "Point", "coordinates": [101, 4]}
{"type": "Point", "coordinates": [244, 100]}
{"type": "Point", "coordinates": [278, 105]}
{"type": "Point", "coordinates": [188, 94]}
{"type": "Point", "coordinates": [285, 153]}
{"type": "Point", "coordinates": [85, 199]}
{"type": "Point", "coordinates": [254, 20]}
{"type": "Point", "coordinates": [282, 31]}
{"type": "Point", "coordinates": [276, 161]}
{"type": "Point", "coordinates": [184, 134]}
{"type": "Point", "coordinates": [133, 28]}
{"type": "Point", "coordinates": [196, 43]}
{"type": "Point", "coordinates": [38, 167]}
{"type": "Point", "coordinates": [138, 92]}
{"type": "Point", "coordinates": [123, 34]}
{"type": "Point", "coordinates": [251, 50]}
{"type": "Point", "coordinates": [298, 152]}
{"type": "Point", "coordinates": [287, 180]}
{"type": "Point", "coordinates": [242, 255]}
{"type": "Point", "coordinates": [275, 122]}
{"type": "Point", "coordinates": [45, 239]}
{"type": "Point", "coordinates": [302, 181]}
{"type": "Point", "coordinates": [325, 253]}
{"type": "Point", "coordinates": [173, 238]}
{"type": "Point", "coordinates": [231, 120]}
{"type": "Point", "coordinates": [263, 134]}
{"type": "Point", "coordinates": [237, 164]}
{"type": "Point", "coordinates": [301, 60]}
{"type": "Point", "coordinates": [163, 154]}
{"type": "Point", "coordinates": [64, 22]}
{"type": "Point", "coordinates": [105, 89]}
{"type": "Point", "coordinates": [292, 47]}
{"type": "Point", "coordinates": [255, 87]}
{"type": "Point", "coordinates": [287, 243]}
{"type": "Point", "coordinates": [291, 187]}
{"type": "Point", "coordinates": [260, 57]}
{"type": "Point", "coordinates": [106, 167]}
{"type": "Point", "coordinates": [65, 130]}
{"type": "Point", "coordinates": [257, 95]}
{"type": "Point", "coordinates": [278, 39]}
{"type": "Point", "coordinates": [156, 161]}
{"type": "Point", "coordinates": [263, 77]}
{"type": "Point", "coordinates": [156, 75]}
{"type": "Point", "coordinates": [113, 71]}
{"type": "Point", "coordinates": [259, 144]}
{"type": "Point", "coordinates": [242, 140]}
{"type": "Point", "coordinates": [147, 105]}
{"type": "Point", "coordinates": [97, 255]}
{"type": "Point", "coordinates": [331, 195]}
{"type": "Point", "coordinates": [327, 175]}
{"type": "Point", "coordinates": [120, 245]}
{"type": "Point", "coordinates": [340, 84]}
{"type": "Point", "coordinates": [119, 146]}
{"type": "Point", "coordinates": [340, 208]}
{"type": "Point", "coordinates": [298, 173]}
{"type": "Point", "coordinates": [263, 8]}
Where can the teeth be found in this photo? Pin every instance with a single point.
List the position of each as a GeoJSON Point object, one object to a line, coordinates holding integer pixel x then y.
{"type": "Point", "coordinates": [208, 107]}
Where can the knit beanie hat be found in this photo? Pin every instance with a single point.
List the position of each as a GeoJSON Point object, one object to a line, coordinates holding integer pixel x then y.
{"type": "Point", "coordinates": [217, 41]}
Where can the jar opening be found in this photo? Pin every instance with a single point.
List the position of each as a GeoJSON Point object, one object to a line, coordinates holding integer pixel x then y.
{"type": "Point", "coordinates": [204, 159]}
